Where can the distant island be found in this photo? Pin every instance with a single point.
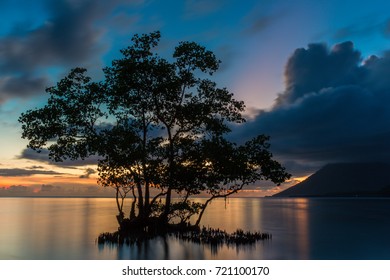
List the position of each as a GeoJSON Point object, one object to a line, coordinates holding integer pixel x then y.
{"type": "Point", "coordinates": [344, 180]}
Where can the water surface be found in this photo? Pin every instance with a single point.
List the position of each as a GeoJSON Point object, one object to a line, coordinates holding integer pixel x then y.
{"type": "Point", "coordinates": [66, 228]}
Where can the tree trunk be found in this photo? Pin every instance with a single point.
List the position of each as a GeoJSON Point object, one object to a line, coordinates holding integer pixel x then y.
{"type": "Point", "coordinates": [119, 205]}
{"type": "Point", "coordinates": [147, 198]}
{"type": "Point", "coordinates": [202, 211]}
{"type": "Point", "coordinates": [132, 211]}
{"type": "Point", "coordinates": [140, 201]}
{"type": "Point", "coordinates": [167, 207]}
{"type": "Point", "coordinates": [171, 171]}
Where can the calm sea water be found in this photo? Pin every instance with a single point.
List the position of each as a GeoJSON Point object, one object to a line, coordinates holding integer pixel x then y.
{"type": "Point", "coordinates": [66, 228]}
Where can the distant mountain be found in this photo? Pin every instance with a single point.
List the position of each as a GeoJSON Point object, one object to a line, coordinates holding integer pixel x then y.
{"type": "Point", "coordinates": [344, 179]}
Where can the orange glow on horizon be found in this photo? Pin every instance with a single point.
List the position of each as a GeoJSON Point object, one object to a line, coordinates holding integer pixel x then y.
{"type": "Point", "coordinates": [28, 181]}
{"type": "Point", "coordinates": [300, 179]}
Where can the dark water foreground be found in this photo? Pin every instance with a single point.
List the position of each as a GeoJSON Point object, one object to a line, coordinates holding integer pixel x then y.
{"type": "Point", "coordinates": [67, 228]}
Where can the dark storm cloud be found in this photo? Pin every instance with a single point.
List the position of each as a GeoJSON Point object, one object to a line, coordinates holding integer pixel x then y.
{"type": "Point", "coordinates": [43, 156]}
{"type": "Point", "coordinates": [69, 37]}
{"type": "Point", "coordinates": [335, 108]}
{"type": "Point", "coordinates": [21, 86]}
{"type": "Point", "coordinates": [315, 68]}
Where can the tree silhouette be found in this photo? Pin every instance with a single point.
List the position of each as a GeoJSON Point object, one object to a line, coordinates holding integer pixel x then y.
{"type": "Point", "coordinates": [160, 129]}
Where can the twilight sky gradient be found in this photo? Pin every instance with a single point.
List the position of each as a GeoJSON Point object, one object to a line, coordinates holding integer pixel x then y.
{"type": "Point", "coordinates": [313, 74]}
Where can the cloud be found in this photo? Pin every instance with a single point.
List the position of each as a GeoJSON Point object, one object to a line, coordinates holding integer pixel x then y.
{"type": "Point", "coordinates": [56, 190]}
{"type": "Point", "coordinates": [334, 109]}
{"type": "Point", "coordinates": [226, 53]}
{"type": "Point", "coordinates": [21, 86]}
{"type": "Point", "coordinates": [71, 36]}
{"type": "Point", "coordinates": [43, 156]}
{"type": "Point", "coordinates": [263, 15]}
{"type": "Point", "coordinates": [49, 188]}
{"type": "Point", "coordinates": [261, 23]}
{"type": "Point", "coordinates": [315, 68]}
{"type": "Point", "coordinates": [16, 190]}
{"type": "Point", "coordinates": [68, 36]}
{"type": "Point", "coordinates": [364, 28]}
{"type": "Point", "coordinates": [36, 167]}
{"type": "Point", "coordinates": [88, 173]}
{"type": "Point", "coordinates": [18, 172]}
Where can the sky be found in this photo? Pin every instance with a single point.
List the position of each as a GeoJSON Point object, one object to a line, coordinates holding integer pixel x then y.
{"type": "Point", "coordinates": [313, 75]}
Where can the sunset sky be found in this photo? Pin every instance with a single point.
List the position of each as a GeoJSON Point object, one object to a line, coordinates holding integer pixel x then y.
{"type": "Point", "coordinates": [313, 74]}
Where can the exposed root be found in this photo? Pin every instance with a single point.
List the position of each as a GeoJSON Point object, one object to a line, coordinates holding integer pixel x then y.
{"type": "Point", "coordinates": [205, 235]}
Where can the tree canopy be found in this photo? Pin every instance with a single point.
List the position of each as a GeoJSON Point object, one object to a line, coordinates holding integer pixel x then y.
{"type": "Point", "coordinates": [160, 127]}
